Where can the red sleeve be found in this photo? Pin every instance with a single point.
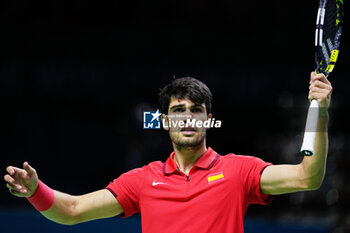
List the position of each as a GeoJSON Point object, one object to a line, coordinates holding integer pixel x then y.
{"type": "Point", "coordinates": [253, 168]}
{"type": "Point", "coordinates": [126, 188]}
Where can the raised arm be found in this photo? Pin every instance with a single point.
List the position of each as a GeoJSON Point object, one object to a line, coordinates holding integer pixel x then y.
{"type": "Point", "coordinates": [65, 209]}
{"type": "Point", "coordinates": [309, 174]}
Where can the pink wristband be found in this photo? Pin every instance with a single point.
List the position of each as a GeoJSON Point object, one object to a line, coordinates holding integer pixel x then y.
{"type": "Point", "coordinates": [43, 197]}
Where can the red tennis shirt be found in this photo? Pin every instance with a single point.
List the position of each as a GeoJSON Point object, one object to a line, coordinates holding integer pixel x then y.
{"type": "Point", "coordinates": [212, 199]}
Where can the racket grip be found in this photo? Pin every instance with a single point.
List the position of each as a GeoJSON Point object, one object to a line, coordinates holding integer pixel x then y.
{"type": "Point", "coordinates": [307, 148]}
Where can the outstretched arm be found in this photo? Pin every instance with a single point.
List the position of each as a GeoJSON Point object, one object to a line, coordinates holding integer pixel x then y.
{"type": "Point", "coordinates": [65, 209]}
{"type": "Point", "coordinates": [309, 174]}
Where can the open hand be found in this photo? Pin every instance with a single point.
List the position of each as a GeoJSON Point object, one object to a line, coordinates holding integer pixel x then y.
{"type": "Point", "coordinates": [21, 182]}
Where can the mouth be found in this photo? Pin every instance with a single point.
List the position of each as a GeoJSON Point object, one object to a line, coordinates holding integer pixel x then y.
{"type": "Point", "coordinates": [188, 131]}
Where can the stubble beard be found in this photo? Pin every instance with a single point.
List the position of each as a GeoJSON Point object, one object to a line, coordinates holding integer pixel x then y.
{"type": "Point", "coordinates": [187, 142]}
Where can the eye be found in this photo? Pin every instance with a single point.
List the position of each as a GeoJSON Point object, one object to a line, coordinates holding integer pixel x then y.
{"type": "Point", "coordinates": [178, 110]}
{"type": "Point", "coordinates": [197, 109]}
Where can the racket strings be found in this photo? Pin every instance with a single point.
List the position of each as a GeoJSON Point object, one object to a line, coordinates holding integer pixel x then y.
{"type": "Point", "coordinates": [330, 25]}
{"type": "Point", "coordinates": [327, 50]}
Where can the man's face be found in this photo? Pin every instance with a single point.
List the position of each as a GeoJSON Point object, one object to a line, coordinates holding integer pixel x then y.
{"type": "Point", "coordinates": [185, 111]}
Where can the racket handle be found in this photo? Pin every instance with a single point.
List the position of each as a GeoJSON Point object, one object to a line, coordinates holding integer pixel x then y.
{"type": "Point", "coordinates": [310, 129]}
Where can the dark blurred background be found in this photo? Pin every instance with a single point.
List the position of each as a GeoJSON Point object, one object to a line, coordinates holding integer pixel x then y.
{"type": "Point", "coordinates": [76, 76]}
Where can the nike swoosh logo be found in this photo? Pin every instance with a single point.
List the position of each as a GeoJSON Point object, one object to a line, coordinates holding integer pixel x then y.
{"type": "Point", "coordinates": [156, 183]}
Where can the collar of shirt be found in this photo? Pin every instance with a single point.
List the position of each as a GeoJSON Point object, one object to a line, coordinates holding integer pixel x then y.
{"type": "Point", "coordinates": [206, 161]}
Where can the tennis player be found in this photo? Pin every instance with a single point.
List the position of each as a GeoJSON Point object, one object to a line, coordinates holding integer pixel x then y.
{"type": "Point", "coordinates": [195, 189]}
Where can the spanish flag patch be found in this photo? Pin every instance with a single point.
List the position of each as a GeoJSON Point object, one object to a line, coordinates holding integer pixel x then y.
{"type": "Point", "coordinates": [215, 177]}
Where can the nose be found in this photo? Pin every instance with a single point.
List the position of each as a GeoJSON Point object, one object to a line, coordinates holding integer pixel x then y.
{"type": "Point", "coordinates": [188, 115]}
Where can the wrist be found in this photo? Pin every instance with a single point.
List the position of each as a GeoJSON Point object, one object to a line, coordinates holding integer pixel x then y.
{"type": "Point", "coordinates": [323, 112]}
{"type": "Point", "coordinates": [322, 125]}
{"type": "Point", "coordinates": [43, 197]}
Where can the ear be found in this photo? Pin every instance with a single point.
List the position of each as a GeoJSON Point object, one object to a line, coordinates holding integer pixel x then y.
{"type": "Point", "coordinates": [210, 116]}
{"type": "Point", "coordinates": [165, 122]}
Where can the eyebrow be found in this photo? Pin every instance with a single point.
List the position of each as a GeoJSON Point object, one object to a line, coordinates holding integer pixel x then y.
{"type": "Point", "coordinates": [182, 105]}
{"type": "Point", "coordinates": [176, 106]}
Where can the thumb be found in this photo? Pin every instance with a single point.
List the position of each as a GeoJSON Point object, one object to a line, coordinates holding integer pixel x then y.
{"type": "Point", "coordinates": [31, 171]}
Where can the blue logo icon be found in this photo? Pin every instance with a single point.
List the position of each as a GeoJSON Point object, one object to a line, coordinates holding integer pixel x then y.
{"type": "Point", "coordinates": [151, 120]}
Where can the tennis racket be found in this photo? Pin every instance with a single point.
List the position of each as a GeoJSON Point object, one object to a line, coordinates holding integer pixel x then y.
{"type": "Point", "coordinates": [329, 25]}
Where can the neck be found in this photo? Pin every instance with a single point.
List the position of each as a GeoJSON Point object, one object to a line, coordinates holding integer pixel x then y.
{"type": "Point", "coordinates": [186, 157]}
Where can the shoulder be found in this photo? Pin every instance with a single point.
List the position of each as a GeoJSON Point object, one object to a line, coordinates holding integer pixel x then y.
{"type": "Point", "coordinates": [156, 166]}
{"type": "Point", "coordinates": [153, 167]}
{"type": "Point", "coordinates": [238, 158]}
{"type": "Point", "coordinates": [241, 160]}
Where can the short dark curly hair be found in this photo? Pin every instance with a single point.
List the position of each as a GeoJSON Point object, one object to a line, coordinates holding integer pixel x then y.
{"type": "Point", "coordinates": [186, 87]}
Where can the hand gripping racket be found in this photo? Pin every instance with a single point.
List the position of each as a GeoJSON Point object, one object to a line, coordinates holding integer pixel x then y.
{"type": "Point", "coordinates": [329, 26]}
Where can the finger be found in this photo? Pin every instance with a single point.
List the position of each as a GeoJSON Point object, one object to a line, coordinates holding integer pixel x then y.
{"type": "Point", "coordinates": [321, 84]}
{"type": "Point", "coordinates": [10, 170]}
{"type": "Point", "coordinates": [320, 77]}
{"type": "Point", "coordinates": [14, 170]}
{"type": "Point", "coordinates": [16, 193]}
{"type": "Point", "coordinates": [319, 90]}
{"type": "Point", "coordinates": [12, 182]}
{"type": "Point", "coordinates": [16, 187]}
{"type": "Point", "coordinates": [318, 96]}
{"type": "Point", "coordinates": [31, 171]}
{"type": "Point", "coordinates": [9, 179]}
